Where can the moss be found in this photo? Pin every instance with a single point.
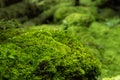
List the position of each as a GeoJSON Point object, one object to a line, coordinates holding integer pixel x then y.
{"type": "Point", "coordinates": [79, 19]}
{"type": "Point", "coordinates": [113, 78]}
{"type": "Point", "coordinates": [9, 29]}
{"type": "Point", "coordinates": [24, 10]}
{"type": "Point", "coordinates": [12, 12]}
{"type": "Point", "coordinates": [47, 55]}
{"type": "Point", "coordinates": [21, 10]}
{"type": "Point", "coordinates": [98, 29]}
{"type": "Point", "coordinates": [106, 13]}
{"type": "Point", "coordinates": [62, 12]}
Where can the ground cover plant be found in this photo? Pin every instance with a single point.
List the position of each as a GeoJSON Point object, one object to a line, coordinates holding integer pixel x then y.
{"type": "Point", "coordinates": [46, 55]}
{"type": "Point", "coordinates": [59, 39]}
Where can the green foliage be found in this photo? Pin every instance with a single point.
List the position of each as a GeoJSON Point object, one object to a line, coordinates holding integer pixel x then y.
{"type": "Point", "coordinates": [24, 10]}
{"type": "Point", "coordinates": [63, 12]}
{"type": "Point", "coordinates": [103, 41]}
{"type": "Point", "coordinates": [98, 2]}
{"type": "Point", "coordinates": [47, 55]}
{"type": "Point", "coordinates": [14, 11]}
{"type": "Point", "coordinates": [107, 43]}
{"type": "Point", "coordinates": [79, 19]}
{"type": "Point", "coordinates": [98, 29]}
{"type": "Point", "coordinates": [46, 52]}
{"type": "Point", "coordinates": [114, 22]}
{"type": "Point", "coordinates": [113, 78]}
{"type": "Point", "coordinates": [106, 13]}
{"type": "Point", "coordinates": [9, 29]}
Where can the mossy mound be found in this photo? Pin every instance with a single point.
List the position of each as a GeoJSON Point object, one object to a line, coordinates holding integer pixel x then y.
{"type": "Point", "coordinates": [9, 28]}
{"type": "Point", "coordinates": [98, 29]}
{"type": "Point", "coordinates": [79, 19]}
{"type": "Point", "coordinates": [63, 12]}
{"type": "Point", "coordinates": [46, 55]}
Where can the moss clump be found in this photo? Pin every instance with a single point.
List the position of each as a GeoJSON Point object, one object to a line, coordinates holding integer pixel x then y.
{"type": "Point", "coordinates": [9, 28]}
{"type": "Point", "coordinates": [42, 55]}
{"type": "Point", "coordinates": [79, 19]}
{"type": "Point", "coordinates": [22, 10]}
{"type": "Point", "coordinates": [62, 12]}
{"type": "Point", "coordinates": [98, 29]}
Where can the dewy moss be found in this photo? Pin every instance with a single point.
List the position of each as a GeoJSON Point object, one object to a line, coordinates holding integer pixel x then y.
{"type": "Point", "coordinates": [43, 55]}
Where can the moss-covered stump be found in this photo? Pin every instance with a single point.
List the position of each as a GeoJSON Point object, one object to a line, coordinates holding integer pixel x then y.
{"type": "Point", "coordinates": [42, 55]}
{"type": "Point", "coordinates": [79, 19]}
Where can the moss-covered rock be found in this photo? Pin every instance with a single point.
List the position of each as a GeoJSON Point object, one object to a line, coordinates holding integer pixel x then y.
{"type": "Point", "coordinates": [46, 55]}
{"type": "Point", "coordinates": [79, 19]}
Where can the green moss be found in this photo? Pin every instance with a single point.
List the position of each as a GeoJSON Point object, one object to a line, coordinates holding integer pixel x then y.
{"type": "Point", "coordinates": [113, 78]}
{"type": "Point", "coordinates": [12, 12]}
{"type": "Point", "coordinates": [9, 28]}
{"type": "Point", "coordinates": [79, 19]}
{"type": "Point", "coordinates": [62, 12]}
{"type": "Point", "coordinates": [106, 13]}
{"type": "Point", "coordinates": [23, 11]}
{"type": "Point", "coordinates": [103, 41]}
{"type": "Point", "coordinates": [98, 29]}
{"type": "Point", "coordinates": [46, 55]}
